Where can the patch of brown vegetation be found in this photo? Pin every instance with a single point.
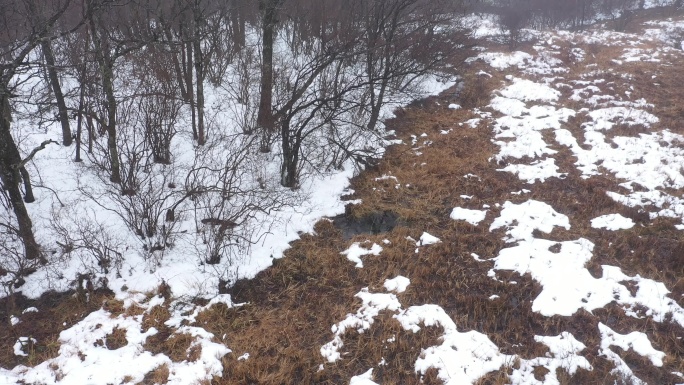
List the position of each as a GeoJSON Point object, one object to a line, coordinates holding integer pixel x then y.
{"type": "Point", "coordinates": [116, 339]}
{"type": "Point", "coordinates": [158, 376]}
{"type": "Point", "coordinates": [56, 312]}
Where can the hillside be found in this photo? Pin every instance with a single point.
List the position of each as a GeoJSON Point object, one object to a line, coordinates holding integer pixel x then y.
{"type": "Point", "coordinates": [524, 226]}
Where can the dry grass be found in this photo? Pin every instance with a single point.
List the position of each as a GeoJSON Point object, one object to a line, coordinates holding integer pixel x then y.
{"type": "Point", "coordinates": [160, 375]}
{"type": "Point", "coordinates": [116, 339]}
{"type": "Point", "coordinates": [56, 313]}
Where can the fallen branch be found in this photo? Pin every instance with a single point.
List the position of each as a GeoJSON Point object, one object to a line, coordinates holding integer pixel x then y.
{"type": "Point", "coordinates": [33, 153]}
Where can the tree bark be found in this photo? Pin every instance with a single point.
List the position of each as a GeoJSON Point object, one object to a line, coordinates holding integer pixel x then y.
{"type": "Point", "coordinates": [57, 91]}
{"type": "Point", "coordinates": [199, 75]}
{"type": "Point", "coordinates": [79, 121]}
{"type": "Point", "coordinates": [10, 175]}
{"type": "Point", "coordinates": [265, 119]}
{"type": "Point", "coordinates": [188, 64]}
{"type": "Point", "coordinates": [107, 72]}
{"type": "Point", "coordinates": [290, 162]}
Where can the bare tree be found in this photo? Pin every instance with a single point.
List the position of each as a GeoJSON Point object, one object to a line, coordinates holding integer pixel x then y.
{"type": "Point", "coordinates": [16, 44]}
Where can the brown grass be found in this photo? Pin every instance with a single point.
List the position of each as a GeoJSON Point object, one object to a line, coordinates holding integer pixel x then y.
{"type": "Point", "coordinates": [116, 339]}
{"type": "Point", "coordinates": [159, 375]}
{"type": "Point", "coordinates": [56, 313]}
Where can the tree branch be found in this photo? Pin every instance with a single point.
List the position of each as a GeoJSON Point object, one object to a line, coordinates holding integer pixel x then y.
{"type": "Point", "coordinates": [33, 153]}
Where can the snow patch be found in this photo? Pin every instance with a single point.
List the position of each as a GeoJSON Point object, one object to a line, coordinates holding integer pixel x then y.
{"type": "Point", "coordinates": [474, 217]}
{"type": "Point", "coordinates": [612, 222]}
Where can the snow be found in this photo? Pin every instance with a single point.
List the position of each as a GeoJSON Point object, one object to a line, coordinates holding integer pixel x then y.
{"type": "Point", "coordinates": [605, 119]}
{"type": "Point", "coordinates": [23, 342]}
{"type": "Point", "coordinates": [373, 304]}
{"type": "Point", "coordinates": [518, 132]}
{"type": "Point", "coordinates": [503, 61]}
{"type": "Point", "coordinates": [397, 284]}
{"type": "Point", "coordinates": [636, 341]}
{"type": "Point", "coordinates": [522, 219]}
{"type": "Point", "coordinates": [529, 91]}
{"type": "Point", "coordinates": [568, 286]}
{"type": "Point", "coordinates": [564, 352]}
{"type": "Point", "coordinates": [427, 239]}
{"type": "Point", "coordinates": [539, 170]}
{"type": "Point", "coordinates": [462, 358]}
{"type": "Point", "coordinates": [474, 217]}
{"type": "Point", "coordinates": [612, 222]}
{"type": "Point", "coordinates": [356, 251]}
{"type": "Point", "coordinates": [648, 166]}
{"type": "Point", "coordinates": [84, 357]}
{"type": "Point", "coordinates": [465, 357]}
{"type": "Point", "coordinates": [363, 379]}
{"type": "Point", "coordinates": [508, 106]}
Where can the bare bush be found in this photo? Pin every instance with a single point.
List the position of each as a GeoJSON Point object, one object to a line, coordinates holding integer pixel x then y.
{"type": "Point", "coordinates": [93, 242]}
{"type": "Point", "coordinates": [226, 195]}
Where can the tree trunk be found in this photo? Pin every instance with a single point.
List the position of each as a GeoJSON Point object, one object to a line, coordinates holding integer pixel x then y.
{"type": "Point", "coordinates": [108, 86]}
{"type": "Point", "coordinates": [377, 101]}
{"type": "Point", "coordinates": [290, 162]}
{"type": "Point", "coordinates": [265, 119]}
{"type": "Point", "coordinates": [176, 63]}
{"type": "Point", "coordinates": [81, 104]}
{"type": "Point", "coordinates": [107, 72]}
{"type": "Point", "coordinates": [57, 91]}
{"type": "Point", "coordinates": [28, 189]}
{"type": "Point", "coordinates": [91, 133]}
{"type": "Point", "coordinates": [237, 23]}
{"type": "Point", "coordinates": [79, 122]}
{"type": "Point", "coordinates": [188, 64]}
{"type": "Point", "coordinates": [199, 75]}
{"type": "Point", "coordinates": [10, 176]}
